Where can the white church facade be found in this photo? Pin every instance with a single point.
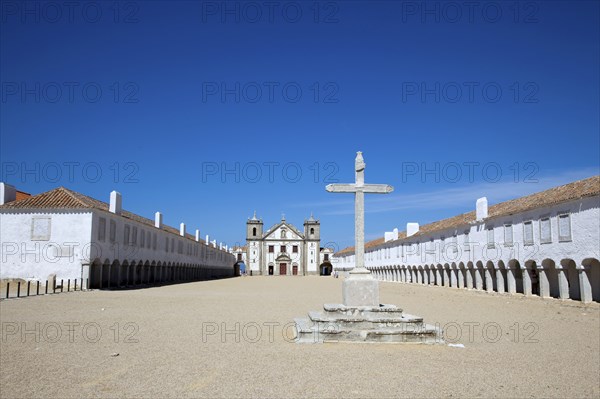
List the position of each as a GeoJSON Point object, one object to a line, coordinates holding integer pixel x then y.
{"type": "Point", "coordinates": [73, 236]}
{"type": "Point", "coordinates": [545, 244]}
{"type": "Point", "coordinates": [283, 250]}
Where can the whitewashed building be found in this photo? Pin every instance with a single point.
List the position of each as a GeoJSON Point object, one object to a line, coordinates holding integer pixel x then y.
{"type": "Point", "coordinates": [283, 249]}
{"type": "Point", "coordinates": [73, 236]}
{"type": "Point", "coordinates": [545, 244]}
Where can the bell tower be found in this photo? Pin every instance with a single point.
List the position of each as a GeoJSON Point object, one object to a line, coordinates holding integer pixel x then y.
{"type": "Point", "coordinates": [312, 243]}
{"type": "Point", "coordinates": [254, 235]}
{"type": "Point", "coordinates": [254, 228]}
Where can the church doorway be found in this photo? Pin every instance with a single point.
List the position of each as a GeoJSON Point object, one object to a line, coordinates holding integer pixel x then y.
{"type": "Point", "coordinates": [270, 270]}
{"type": "Point", "coordinates": [325, 269]}
{"type": "Point", "coordinates": [282, 269]}
{"type": "Point", "coordinates": [295, 270]}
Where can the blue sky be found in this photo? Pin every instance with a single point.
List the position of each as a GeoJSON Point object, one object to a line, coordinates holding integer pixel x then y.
{"type": "Point", "coordinates": [208, 111]}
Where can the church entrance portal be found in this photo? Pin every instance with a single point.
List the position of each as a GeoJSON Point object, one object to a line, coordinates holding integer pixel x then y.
{"type": "Point", "coordinates": [325, 269]}
{"type": "Point", "coordinates": [270, 270]}
{"type": "Point", "coordinates": [282, 269]}
{"type": "Point", "coordinates": [295, 270]}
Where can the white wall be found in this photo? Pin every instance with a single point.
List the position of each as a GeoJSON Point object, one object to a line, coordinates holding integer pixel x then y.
{"type": "Point", "coordinates": [61, 252]}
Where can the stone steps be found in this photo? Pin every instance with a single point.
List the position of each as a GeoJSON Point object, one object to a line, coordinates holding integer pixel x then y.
{"type": "Point", "coordinates": [385, 324]}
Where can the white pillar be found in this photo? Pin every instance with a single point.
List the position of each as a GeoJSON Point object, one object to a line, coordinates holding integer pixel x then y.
{"type": "Point", "coordinates": [438, 276]}
{"type": "Point", "coordinates": [511, 282]}
{"type": "Point", "coordinates": [453, 279]}
{"type": "Point", "coordinates": [469, 279]}
{"type": "Point", "coordinates": [489, 283]}
{"type": "Point", "coordinates": [499, 280]}
{"type": "Point", "coordinates": [544, 283]}
{"type": "Point", "coordinates": [478, 279]}
{"type": "Point", "coordinates": [563, 283]}
{"type": "Point", "coordinates": [461, 278]}
{"type": "Point", "coordinates": [446, 277]}
{"type": "Point", "coordinates": [527, 289]}
{"type": "Point", "coordinates": [585, 285]}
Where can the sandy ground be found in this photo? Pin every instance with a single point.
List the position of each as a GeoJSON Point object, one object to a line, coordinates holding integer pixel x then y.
{"type": "Point", "coordinates": [169, 344]}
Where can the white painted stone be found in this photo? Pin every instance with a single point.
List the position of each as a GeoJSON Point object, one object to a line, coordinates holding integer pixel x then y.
{"type": "Point", "coordinates": [412, 229]}
{"type": "Point", "coordinates": [391, 235]}
{"type": "Point", "coordinates": [158, 220]}
{"type": "Point", "coordinates": [182, 229]}
{"type": "Point", "coordinates": [197, 235]}
{"type": "Point", "coordinates": [115, 202]}
{"type": "Point", "coordinates": [481, 207]}
{"type": "Point", "coordinates": [7, 193]}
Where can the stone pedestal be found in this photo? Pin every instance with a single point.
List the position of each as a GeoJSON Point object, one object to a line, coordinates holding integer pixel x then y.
{"type": "Point", "coordinates": [360, 291]}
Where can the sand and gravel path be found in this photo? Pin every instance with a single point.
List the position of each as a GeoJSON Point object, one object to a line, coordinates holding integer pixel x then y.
{"type": "Point", "coordinates": [169, 343]}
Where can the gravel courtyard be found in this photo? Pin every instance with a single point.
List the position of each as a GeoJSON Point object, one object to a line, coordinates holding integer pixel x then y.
{"type": "Point", "coordinates": [168, 342]}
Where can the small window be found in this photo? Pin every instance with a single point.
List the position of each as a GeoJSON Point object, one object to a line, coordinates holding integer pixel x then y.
{"type": "Point", "coordinates": [283, 249]}
{"type": "Point", "coordinates": [112, 233]}
{"type": "Point", "coordinates": [148, 239]}
{"type": "Point", "coordinates": [545, 231]}
{"type": "Point", "coordinates": [126, 235]}
{"type": "Point", "coordinates": [326, 257]}
{"type": "Point", "coordinates": [271, 249]}
{"type": "Point", "coordinates": [173, 245]}
{"type": "Point", "coordinates": [508, 234]}
{"type": "Point", "coordinates": [142, 239]}
{"type": "Point", "coordinates": [528, 232]}
{"type": "Point", "coordinates": [134, 236]}
{"type": "Point", "coordinates": [102, 229]}
{"type": "Point", "coordinates": [564, 227]}
{"type": "Point", "coordinates": [490, 238]}
{"type": "Point", "coordinates": [295, 249]}
{"type": "Point", "coordinates": [312, 231]}
{"type": "Point", "coordinates": [154, 241]}
{"type": "Point", "coordinates": [254, 232]}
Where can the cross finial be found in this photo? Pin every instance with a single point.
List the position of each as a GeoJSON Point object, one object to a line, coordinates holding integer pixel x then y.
{"type": "Point", "coordinates": [359, 162]}
{"type": "Point", "coordinates": [282, 216]}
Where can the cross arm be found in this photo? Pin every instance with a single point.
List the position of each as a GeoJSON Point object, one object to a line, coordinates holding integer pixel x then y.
{"type": "Point", "coordinates": [366, 188]}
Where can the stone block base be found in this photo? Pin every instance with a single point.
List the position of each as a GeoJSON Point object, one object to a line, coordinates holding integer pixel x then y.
{"type": "Point", "coordinates": [360, 292]}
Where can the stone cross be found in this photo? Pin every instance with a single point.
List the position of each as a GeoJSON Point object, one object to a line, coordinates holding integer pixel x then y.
{"type": "Point", "coordinates": [359, 188]}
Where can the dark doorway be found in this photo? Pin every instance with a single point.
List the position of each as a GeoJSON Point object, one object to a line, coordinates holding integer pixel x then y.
{"type": "Point", "coordinates": [295, 270]}
{"type": "Point", "coordinates": [270, 270]}
{"type": "Point", "coordinates": [282, 269]}
{"type": "Point", "coordinates": [326, 269]}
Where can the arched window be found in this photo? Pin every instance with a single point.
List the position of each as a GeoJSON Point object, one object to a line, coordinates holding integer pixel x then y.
{"type": "Point", "coordinates": [312, 230]}
{"type": "Point", "coordinates": [254, 231]}
{"type": "Point", "coordinates": [283, 233]}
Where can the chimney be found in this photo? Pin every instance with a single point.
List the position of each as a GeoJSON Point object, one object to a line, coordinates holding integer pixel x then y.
{"type": "Point", "coordinates": [481, 208]}
{"type": "Point", "coordinates": [7, 193]}
{"type": "Point", "coordinates": [197, 235]}
{"type": "Point", "coordinates": [115, 202]}
{"type": "Point", "coordinates": [412, 229]}
{"type": "Point", "coordinates": [158, 220]}
{"type": "Point", "coordinates": [182, 229]}
{"type": "Point", "coordinates": [390, 236]}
